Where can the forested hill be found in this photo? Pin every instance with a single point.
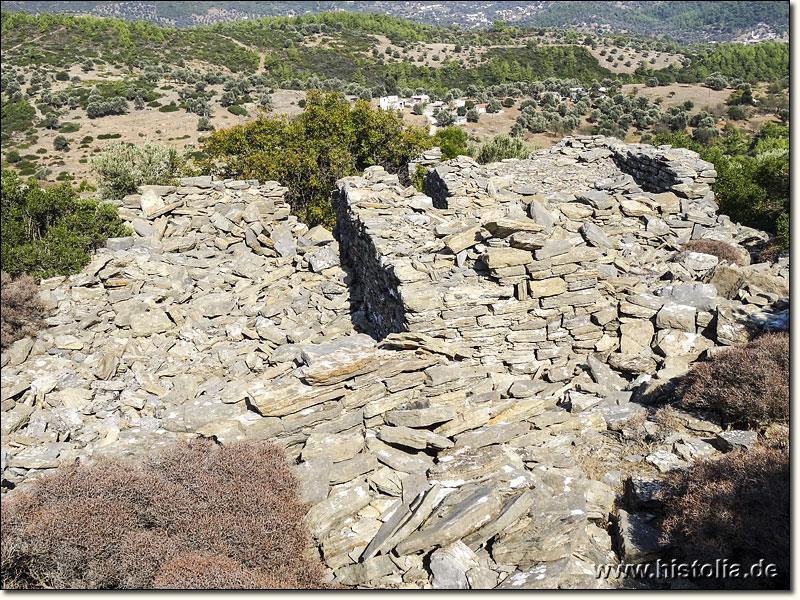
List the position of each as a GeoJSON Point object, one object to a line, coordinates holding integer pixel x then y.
{"type": "Point", "coordinates": [687, 21]}
{"type": "Point", "coordinates": [372, 50]}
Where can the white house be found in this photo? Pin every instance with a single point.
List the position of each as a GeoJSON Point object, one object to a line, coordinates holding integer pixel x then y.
{"type": "Point", "coordinates": [420, 98]}
{"type": "Point", "coordinates": [461, 120]}
{"type": "Point", "coordinates": [457, 103]}
{"type": "Point", "coordinates": [576, 93]}
{"type": "Point", "coordinates": [391, 103]}
{"type": "Point", "coordinates": [481, 108]}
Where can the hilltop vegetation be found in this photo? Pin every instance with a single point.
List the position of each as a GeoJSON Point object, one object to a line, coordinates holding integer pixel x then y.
{"type": "Point", "coordinates": [345, 46]}
{"type": "Point", "coordinates": [691, 21]}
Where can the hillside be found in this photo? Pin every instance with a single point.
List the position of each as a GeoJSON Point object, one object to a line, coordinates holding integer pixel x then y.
{"type": "Point", "coordinates": [688, 21]}
{"type": "Point", "coordinates": [70, 83]}
{"type": "Point", "coordinates": [378, 50]}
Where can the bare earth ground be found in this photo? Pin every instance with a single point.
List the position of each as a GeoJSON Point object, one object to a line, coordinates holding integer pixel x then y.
{"type": "Point", "coordinates": [176, 129]}
{"type": "Point", "coordinates": [678, 93]}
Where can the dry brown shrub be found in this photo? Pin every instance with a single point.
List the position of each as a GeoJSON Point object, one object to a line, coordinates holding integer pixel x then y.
{"type": "Point", "coordinates": [721, 250]}
{"type": "Point", "coordinates": [667, 422]}
{"type": "Point", "coordinates": [747, 386]}
{"type": "Point", "coordinates": [770, 251]}
{"type": "Point", "coordinates": [232, 510]}
{"type": "Point", "coordinates": [21, 308]}
{"type": "Point", "coordinates": [734, 508]}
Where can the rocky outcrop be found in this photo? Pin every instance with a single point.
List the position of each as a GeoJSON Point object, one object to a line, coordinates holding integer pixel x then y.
{"type": "Point", "coordinates": [438, 388]}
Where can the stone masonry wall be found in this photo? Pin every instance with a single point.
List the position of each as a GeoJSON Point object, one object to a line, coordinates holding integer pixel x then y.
{"type": "Point", "coordinates": [518, 327]}
{"type": "Point", "coordinates": [536, 263]}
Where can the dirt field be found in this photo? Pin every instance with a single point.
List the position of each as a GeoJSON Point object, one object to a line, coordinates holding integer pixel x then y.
{"type": "Point", "coordinates": [678, 93]}
{"type": "Point", "coordinates": [416, 51]}
{"type": "Point", "coordinates": [179, 129]}
{"type": "Point", "coordinates": [624, 55]}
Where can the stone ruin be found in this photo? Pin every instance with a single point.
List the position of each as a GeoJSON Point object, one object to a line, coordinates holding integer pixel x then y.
{"type": "Point", "coordinates": [438, 370]}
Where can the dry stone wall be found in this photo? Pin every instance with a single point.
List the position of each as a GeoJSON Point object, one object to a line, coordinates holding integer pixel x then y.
{"type": "Point", "coordinates": [438, 387]}
{"type": "Point", "coordinates": [535, 264]}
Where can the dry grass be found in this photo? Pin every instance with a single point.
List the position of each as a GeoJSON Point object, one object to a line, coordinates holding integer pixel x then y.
{"type": "Point", "coordinates": [21, 308]}
{"type": "Point", "coordinates": [735, 508]}
{"type": "Point", "coordinates": [196, 515]}
{"type": "Point", "coordinates": [721, 250]}
{"type": "Point", "coordinates": [771, 251]}
{"type": "Point", "coordinates": [747, 386]}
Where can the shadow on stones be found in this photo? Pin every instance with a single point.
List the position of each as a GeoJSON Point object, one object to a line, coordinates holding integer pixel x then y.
{"type": "Point", "coordinates": [375, 305]}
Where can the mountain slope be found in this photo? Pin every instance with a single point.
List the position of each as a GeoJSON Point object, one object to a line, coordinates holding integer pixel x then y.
{"type": "Point", "coordinates": [687, 21]}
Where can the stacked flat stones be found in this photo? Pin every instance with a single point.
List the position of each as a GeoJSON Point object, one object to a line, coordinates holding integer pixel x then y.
{"type": "Point", "coordinates": [437, 386]}
{"type": "Point", "coordinates": [535, 264]}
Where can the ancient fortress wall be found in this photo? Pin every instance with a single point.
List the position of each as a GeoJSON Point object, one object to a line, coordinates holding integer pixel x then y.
{"type": "Point", "coordinates": [532, 263]}
{"type": "Point", "coordinates": [439, 375]}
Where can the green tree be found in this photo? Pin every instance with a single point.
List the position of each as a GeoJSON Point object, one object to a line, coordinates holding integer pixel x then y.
{"type": "Point", "coordinates": [50, 121]}
{"type": "Point", "coordinates": [327, 141]}
{"type": "Point", "coordinates": [60, 143]}
{"type": "Point", "coordinates": [51, 232]}
{"type": "Point", "coordinates": [452, 141]}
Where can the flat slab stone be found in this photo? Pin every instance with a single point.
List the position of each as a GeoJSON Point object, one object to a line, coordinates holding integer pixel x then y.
{"type": "Point", "coordinates": [279, 398]}
{"type": "Point", "coordinates": [471, 513]}
{"type": "Point", "coordinates": [397, 459]}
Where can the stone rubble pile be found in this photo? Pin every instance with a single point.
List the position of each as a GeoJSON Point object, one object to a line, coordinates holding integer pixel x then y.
{"type": "Point", "coordinates": [162, 333]}
{"type": "Point", "coordinates": [440, 385]}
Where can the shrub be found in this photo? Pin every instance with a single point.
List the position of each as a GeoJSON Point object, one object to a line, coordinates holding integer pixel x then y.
{"type": "Point", "coordinates": [51, 232]}
{"type": "Point", "coordinates": [21, 313]}
{"type": "Point", "coordinates": [770, 251]}
{"type": "Point", "coordinates": [121, 168]}
{"type": "Point", "coordinates": [195, 514]}
{"type": "Point", "coordinates": [204, 124]}
{"type": "Point", "coordinates": [237, 110]}
{"type": "Point", "coordinates": [734, 508]}
{"type": "Point", "coordinates": [716, 81]}
{"type": "Point", "coordinates": [60, 143]}
{"type": "Point", "coordinates": [17, 116]}
{"type": "Point", "coordinates": [737, 112]}
{"type": "Point", "coordinates": [111, 136]}
{"type": "Point", "coordinates": [783, 231]}
{"type": "Point", "coordinates": [12, 156]}
{"type": "Point", "coordinates": [69, 128]}
{"type": "Point", "coordinates": [500, 147]}
{"type": "Point", "coordinates": [418, 177]}
{"type": "Point", "coordinates": [169, 108]}
{"type": "Point", "coordinates": [746, 386]}
{"type": "Point", "coordinates": [721, 250]}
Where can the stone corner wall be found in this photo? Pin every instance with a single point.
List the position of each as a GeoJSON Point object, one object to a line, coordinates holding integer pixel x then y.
{"type": "Point", "coordinates": [537, 263]}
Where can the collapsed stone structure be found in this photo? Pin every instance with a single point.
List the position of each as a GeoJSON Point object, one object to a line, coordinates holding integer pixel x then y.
{"type": "Point", "coordinates": [439, 384]}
